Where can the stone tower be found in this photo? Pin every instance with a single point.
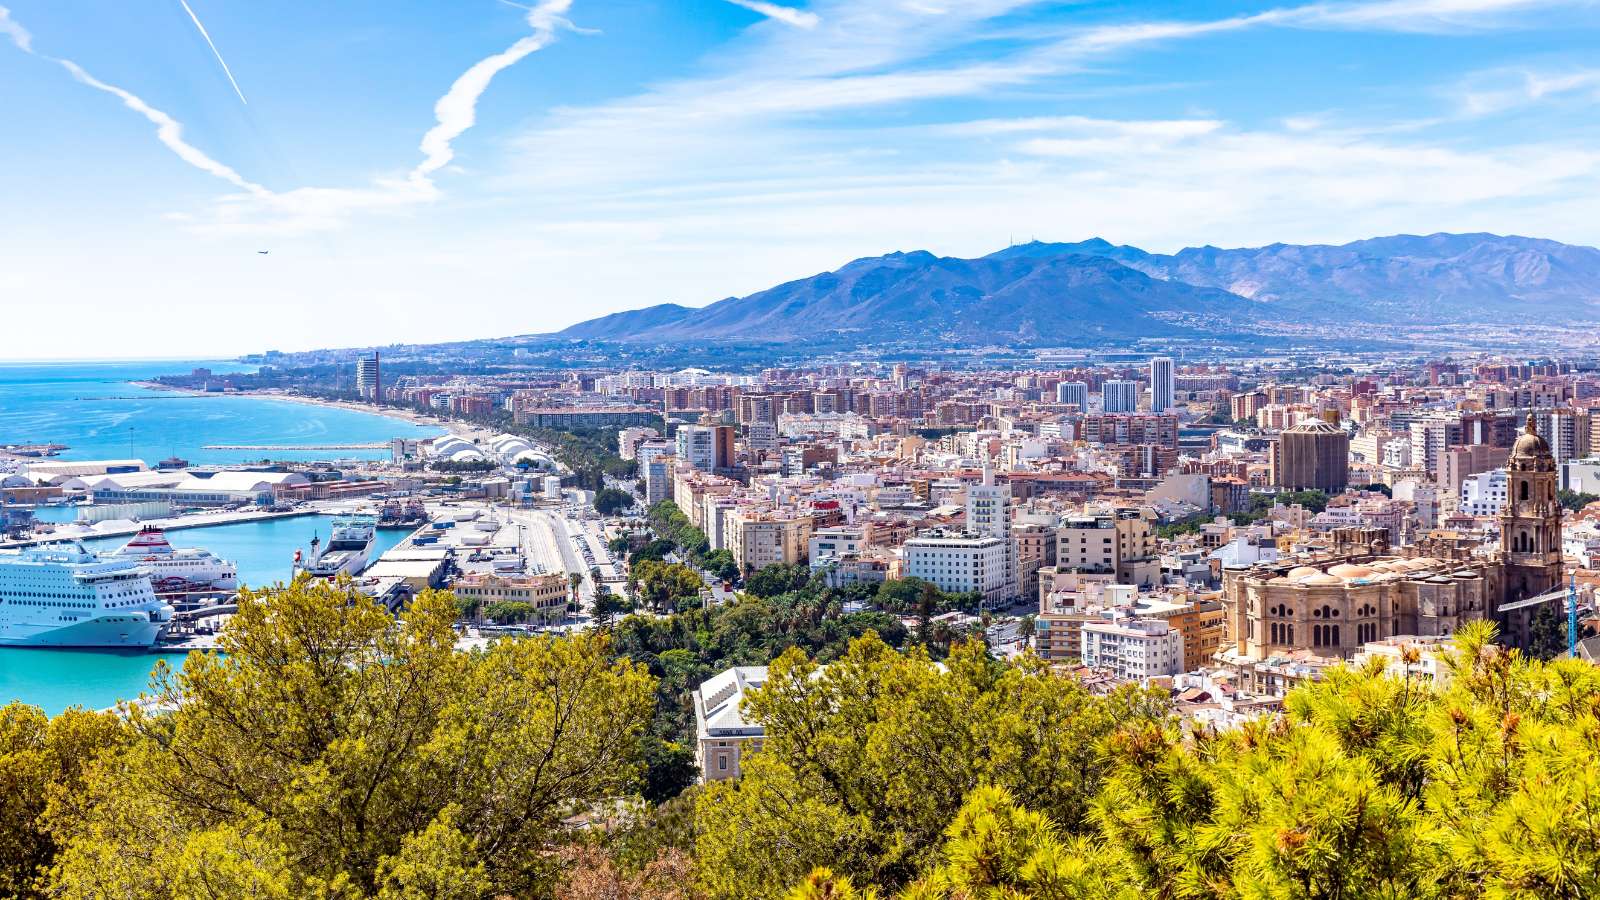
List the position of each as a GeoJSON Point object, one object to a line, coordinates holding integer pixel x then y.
{"type": "Point", "coordinates": [1530, 522]}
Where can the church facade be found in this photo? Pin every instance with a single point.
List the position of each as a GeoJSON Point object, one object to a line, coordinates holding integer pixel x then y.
{"type": "Point", "coordinates": [1357, 590]}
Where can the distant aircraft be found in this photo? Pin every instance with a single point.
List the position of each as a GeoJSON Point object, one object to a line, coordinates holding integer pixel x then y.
{"type": "Point", "coordinates": [263, 252]}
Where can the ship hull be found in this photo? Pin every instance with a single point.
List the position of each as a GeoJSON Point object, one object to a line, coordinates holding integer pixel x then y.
{"type": "Point", "coordinates": [127, 630]}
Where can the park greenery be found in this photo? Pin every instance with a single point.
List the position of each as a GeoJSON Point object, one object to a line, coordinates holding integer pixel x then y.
{"type": "Point", "coordinates": [1575, 501]}
{"type": "Point", "coordinates": [330, 750]}
{"type": "Point", "coordinates": [611, 501]}
{"type": "Point", "coordinates": [333, 750]}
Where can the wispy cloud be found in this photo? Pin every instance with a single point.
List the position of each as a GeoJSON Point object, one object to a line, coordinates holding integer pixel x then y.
{"type": "Point", "coordinates": [214, 51]}
{"type": "Point", "coordinates": [168, 131]}
{"type": "Point", "coordinates": [799, 18]}
{"type": "Point", "coordinates": [1505, 89]}
{"type": "Point", "coordinates": [259, 209]}
{"type": "Point", "coordinates": [457, 110]}
{"type": "Point", "coordinates": [14, 31]}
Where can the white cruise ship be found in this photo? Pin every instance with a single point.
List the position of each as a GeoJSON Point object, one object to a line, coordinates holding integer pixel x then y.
{"type": "Point", "coordinates": [65, 596]}
{"type": "Point", "coordinates": [174, 570]}
{"type": "Point", "coordinates": [348, 551]}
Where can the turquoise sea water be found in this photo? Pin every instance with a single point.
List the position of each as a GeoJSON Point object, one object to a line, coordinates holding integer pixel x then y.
{"type": "Point", "coordinates": [92, 408]}
{"type": "Point", "coordinates": [57, 679]}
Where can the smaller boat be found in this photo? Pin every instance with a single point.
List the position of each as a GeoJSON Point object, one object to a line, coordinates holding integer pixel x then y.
{"type": "Point", "coordinates": [348, 551]}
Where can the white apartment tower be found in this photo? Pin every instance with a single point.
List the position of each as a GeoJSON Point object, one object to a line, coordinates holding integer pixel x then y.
{"type": "Point", "coordinates": [1073, 392]}
{"type": "Point", "coordinates": [1162, 385]}
{"type": "Point", "coordinates": [369, 380]}
{"type": "Point", "coordinates": [1120, 396]}
{"type": "Point", "coordinates": [697, 446]}
{"type": "Point", "coordinates": [989, 515]}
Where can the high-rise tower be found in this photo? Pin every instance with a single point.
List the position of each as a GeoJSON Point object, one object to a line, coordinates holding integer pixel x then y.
{"type": "Point", "coordinates": [1163, 386]}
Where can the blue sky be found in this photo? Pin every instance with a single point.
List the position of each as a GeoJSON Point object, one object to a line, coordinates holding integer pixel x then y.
{"type": "Point", "coordinates": [438, 171]}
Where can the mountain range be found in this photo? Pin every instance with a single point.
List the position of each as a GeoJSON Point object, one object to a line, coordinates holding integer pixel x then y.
{"type": "Point", "coordinates": [1095, 291]}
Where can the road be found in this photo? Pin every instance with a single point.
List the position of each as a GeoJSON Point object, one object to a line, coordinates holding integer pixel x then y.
{"type": "Point", "coordinates": [558, 544]}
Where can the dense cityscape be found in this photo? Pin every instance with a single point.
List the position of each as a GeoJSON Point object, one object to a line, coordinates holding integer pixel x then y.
{"type": "Point", "coordinates": [1215, 537]}
{"type": "Point", "coordinates": [800, 450]}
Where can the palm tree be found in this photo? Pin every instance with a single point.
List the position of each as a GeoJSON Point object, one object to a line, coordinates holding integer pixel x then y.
{"type": "Point", "coordinates": [1026, 630]}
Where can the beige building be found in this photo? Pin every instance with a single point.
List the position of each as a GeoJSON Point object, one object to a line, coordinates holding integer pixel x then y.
{"type": "Point", "coordinates": [1313, 455]}
{"type": "Point", "coordinates": [1332, 604]}
{"type": "Point", "coordinates": [546, 593]}
{"type": "Point", "coordinates": [759, 537]}
{"type": "Point", "coordinates": [1121, 542]}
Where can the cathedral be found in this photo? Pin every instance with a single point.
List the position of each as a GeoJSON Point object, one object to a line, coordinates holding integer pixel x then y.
{"type": "Point", "coordinates": [1356, 590]}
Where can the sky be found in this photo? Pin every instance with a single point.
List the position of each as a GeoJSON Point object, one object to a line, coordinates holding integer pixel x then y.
{"type": "Point", "coordinates": [431, 171]}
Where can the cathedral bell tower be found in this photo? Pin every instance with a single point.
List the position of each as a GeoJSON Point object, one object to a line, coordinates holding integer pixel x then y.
{"type": "Point", "coordinates": [1530, 522]}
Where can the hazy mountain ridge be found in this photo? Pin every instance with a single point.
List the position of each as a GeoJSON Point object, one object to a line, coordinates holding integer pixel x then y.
{"type": "Point", "coordinates": [1072, 293]}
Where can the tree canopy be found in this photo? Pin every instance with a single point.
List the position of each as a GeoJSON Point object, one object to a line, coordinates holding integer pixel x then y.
{"type": "Point", "coordinates": [332, 750]}
{"type": "Point", "coordinates": [1371, 784]}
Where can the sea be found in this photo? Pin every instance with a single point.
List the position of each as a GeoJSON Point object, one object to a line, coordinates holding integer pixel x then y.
{"type": "Point", "coordinates": [94, 409]}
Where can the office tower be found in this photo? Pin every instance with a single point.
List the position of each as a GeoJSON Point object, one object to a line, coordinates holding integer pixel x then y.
{"type": "Point", "coordinates": [1120, 396]}
{"type": "Point", "coordinates": [1312, 455]}
{"type": "Point", "coordinates": [1073, 392]}
{"type": "Point", "coordinates": [369, 380]}
{"type": "Point", "coordinates": [1162, 385]}
{"type": "Point", "coordinates": [722, 456]}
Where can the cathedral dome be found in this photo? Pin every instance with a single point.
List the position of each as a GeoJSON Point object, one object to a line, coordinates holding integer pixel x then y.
{"type": "Point", "coordinates": [1529, 443]}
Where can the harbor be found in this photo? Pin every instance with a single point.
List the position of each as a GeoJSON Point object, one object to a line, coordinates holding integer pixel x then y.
{"type": "Point", "coordinates": [187, 514]}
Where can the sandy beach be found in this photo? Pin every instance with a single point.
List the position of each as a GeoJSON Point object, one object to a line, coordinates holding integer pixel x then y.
{"type": "Point", "coordinates": [392, 412]}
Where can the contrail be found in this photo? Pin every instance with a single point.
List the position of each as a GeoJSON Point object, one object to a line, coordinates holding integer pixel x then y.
{"type": "Point", "coordinates": [214, 51]}
{"type": "Point", "coordinates": [457, 110]}
{"type": "Point", "coordinates": [799, 18]}
{"type": "Point", "coordinates": [168, 131]}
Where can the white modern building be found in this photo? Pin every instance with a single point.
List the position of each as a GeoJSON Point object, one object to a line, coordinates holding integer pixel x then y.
{"type": "Point", "coordinates": [655, 465]}
{"type": "Point", "coordinates": [1073, 392]}
{"type": "Point", "coordinates": [697, 446]}
{"type": "Point", "coordinates": [1483, 494]}
{"type": "Point", "coordinates": [961, 562]}
{"type": "Point", "coordinates": [629, 439]}
{"type": "Point", "coordinates": [1163, 387]}
{"type": "Point", "coordinates": [1133, 649]}
{"type": "Point", "coordinates": [989, 515]}
{"type": "Point", "coordinates": [829, 545]}
{"type": "Point", "coordinates": [1120, 396]}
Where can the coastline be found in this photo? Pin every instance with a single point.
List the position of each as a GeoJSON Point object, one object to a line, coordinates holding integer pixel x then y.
{"type": "Point", "coordinates": [389, 412]}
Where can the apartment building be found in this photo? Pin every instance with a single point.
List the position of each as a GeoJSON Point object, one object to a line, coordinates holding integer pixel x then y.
{"type": "Point", "coordinates": [761, 537]}
{"type": "Point", "coordinates": [961, 562]}
{"type": "Point", "coordinates": [1133, 650]}
{"type": "Point", "coordinates": [1121, 542]}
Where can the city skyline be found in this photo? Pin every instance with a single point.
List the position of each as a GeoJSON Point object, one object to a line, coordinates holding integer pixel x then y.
{"type": "Point", "coordinates": [436, 173]}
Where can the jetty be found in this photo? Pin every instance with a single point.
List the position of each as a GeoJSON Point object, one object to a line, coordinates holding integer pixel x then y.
{"type": "Point", "coordinates": [375, 445]}
{"type": "Point", "coordinates": [199, 520]}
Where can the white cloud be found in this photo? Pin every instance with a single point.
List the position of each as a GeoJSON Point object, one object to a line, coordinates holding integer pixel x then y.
{"type": "Point", "coordinates": [1500, 90]}
{"type": "Point", "coordinates": [457, 110]}
{"type": "Point", "coordinates": [14, 31]}
{"type": "Point", "coordinates": [168, 131]}
{"type": "Point", "coordinates": [799, 18]}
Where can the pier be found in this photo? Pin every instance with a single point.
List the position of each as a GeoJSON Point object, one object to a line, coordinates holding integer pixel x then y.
{"type": "Point", "coordinates": [384, 445]}
{"type": "Point", "coordinates": [200, 520]}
